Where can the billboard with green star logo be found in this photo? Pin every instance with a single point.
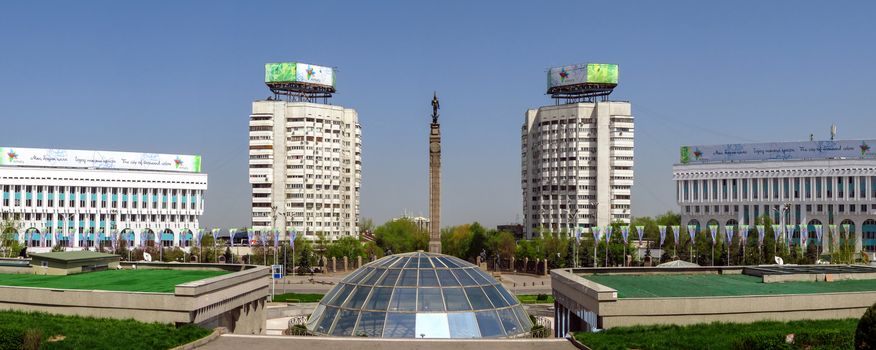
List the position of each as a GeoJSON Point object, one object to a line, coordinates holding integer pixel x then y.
{"type": "Point", "coordinates": [841, 149]}
{"type": "Point", "coordinates": [64, 158]}
{"type": "Point", "coordinates": [590, 73]}
{"type": "Point", "coordinates": [297, 72]}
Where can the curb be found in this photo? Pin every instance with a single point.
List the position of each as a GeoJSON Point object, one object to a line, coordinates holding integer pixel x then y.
{"type": "Point", "coordinates": [217, 332]}
{"type": "Point", "coordinates": [577, 344]}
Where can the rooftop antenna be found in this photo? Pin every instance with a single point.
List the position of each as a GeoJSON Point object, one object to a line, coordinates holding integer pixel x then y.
{"type": "Point", "coordinates": [811, 137]}
{"type": "Point", "coordinates": [832, 132]}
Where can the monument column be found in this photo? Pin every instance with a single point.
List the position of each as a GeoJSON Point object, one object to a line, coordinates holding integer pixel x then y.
{"type": "Point", "coordinates": [435, 180]}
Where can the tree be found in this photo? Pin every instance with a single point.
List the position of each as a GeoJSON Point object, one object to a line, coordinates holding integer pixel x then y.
{"type": "Point", "coordinates": [865, 334]}
{"type": "Point", "coordinates": [478, 240]}
{"type": "Point", "coordinates": [366, 225]}
{"type": "Point", "coordinates": [456, 241]}
{"type": "Point", "coordinates": [504, 245]}
{"type": "Point", "coordinates": [401, 236]}
{"type": "Point", "coordinates": [346, 246]}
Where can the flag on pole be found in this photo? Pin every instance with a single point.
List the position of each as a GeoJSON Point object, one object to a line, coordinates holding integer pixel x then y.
{"type": "Point", "coordinates": [292, 238]}
{"type": "Point", "coordinates": [676, 231]}
{"type": "Point", "coordinates": [215, 233]}
{"type": "Point", "coordinates": [144, 236]}
{"type": "Point", "coordinates": [819, 232]}
{"type": "Point", "coordinates": [662, 229]}
{"type": "Point", "coordinates": [578, 236]}
{"type": "Point", "coordinates": [761, 233]}
{"type": "Point", "coordinates": [777, 231]}
{"type": "Point", "coordinates": [743, 232]}
{"type": "Point", "coordinates": [595, 231]}
{"type": "Point", "coordinates": [789, 232]}
{"type": "Point", "coordinates": [608, 230]}
{"type": "Point", "coordinates": [713, 230]}
{"type": "Point", "coordinates": [200, 236]}
{"type": "Point", "coordinates": [276, 239]}
{"type": "Point", "coordinates": [846, 232]}
{"type": "Point", "coordinates": [804, 235]}
{"type": "Point", "coordinates": [263, 239]}
{"type": "Point", "coordinates": [692, 231]}
{"type": "Point", "coordinates": [625, 232]}
{"type": "Point", "coordinates": [249, 235]}
{"type": "Point", "coordinates": [728, 234]}
{"type": "Point", "coordinates": [231, 233]}
{"type": "Point", "coordinates": [640, 230]}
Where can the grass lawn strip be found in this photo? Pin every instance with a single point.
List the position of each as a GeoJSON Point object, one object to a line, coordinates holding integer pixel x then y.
{"type": "Point", "coordinates": [704, 336]}
{"type": "Point", "coordinates": [533, 299]}
{"type": "Point", "coordinates": [98, 333]}
{"type": "Point", "coordinates": [298, 297]}
{"type": "Point", "coordinates": [658, 286]}
{"type": "Point", "coordinates": [145, 280]}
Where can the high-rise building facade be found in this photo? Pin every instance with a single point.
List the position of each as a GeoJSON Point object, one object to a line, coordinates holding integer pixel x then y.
{"type": "Point", "coordinates": [86, 199]}
{"type": "Point", "coordinates": [305, 168]}
{"type": "Point", "coordinates": [577, 166]}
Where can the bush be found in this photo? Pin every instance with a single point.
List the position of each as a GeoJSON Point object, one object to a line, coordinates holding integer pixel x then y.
{"type": "Point", "coordinates": [11, 338]}
{"type": "Point", "coordinates": [539, 331]}
{"type": "Point", "coordinates": [865, 334]}
{"type": "Point", "coordinates": [32, 339]}
{"type": "Point", "coordinates": [541, 297]}
{"type": "Point", "coordinates": [298, 329]}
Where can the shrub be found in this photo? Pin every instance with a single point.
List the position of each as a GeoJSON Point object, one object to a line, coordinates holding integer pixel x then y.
{"type": "Point", "coordinates": [298, 329]}
{"type": "Point", "coordinates": [32, 339]}
{"type": "Point", "coordinates": [541, 297]}
{"type": "Point", "coordinates": [539, 331]}
{"type": "Point", "coordinates": [11, 338]}
{"type": "Point", "coordinates": [865, 334]}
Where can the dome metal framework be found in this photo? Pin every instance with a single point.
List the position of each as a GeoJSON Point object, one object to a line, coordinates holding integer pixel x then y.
{"type": "Point", "coordinates": [419, 295]}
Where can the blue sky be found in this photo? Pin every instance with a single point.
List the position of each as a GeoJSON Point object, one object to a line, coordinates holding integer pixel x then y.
{"type": "Point", "coordinates": [179, 77]}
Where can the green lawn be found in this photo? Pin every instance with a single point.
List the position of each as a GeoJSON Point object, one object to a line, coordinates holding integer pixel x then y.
{"type": "Point", "coordinates": [145, 280]}
{"type": "Point", "coordinates": [656, 286]}
{"type": "Point", "coordinates": [72, 332]}
{"type": "Point", "coordinates": [719, 335]}
{"type": "Point", "coordinates": [533, 299]}
{"type": "Point", "coordinates": [298, 298]}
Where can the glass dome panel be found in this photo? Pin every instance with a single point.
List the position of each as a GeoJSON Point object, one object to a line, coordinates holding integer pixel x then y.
{"type": "Point", "coordinates": [390, 277]}
{"type": "Point", "coordinates": [456, 300]}
{"type": "Point", "coordinates": [429, 299]}
{"type": "Point", "coordinates": [399, 325]}
{"type": "Point", "coordinates": [431, 325]}
{"type": "Point", "coordinates": [446, 278]}
{"type": "Point", "coordinates": [494, 296]}
{"type": "Point", "coordinates": [509, 321]}
{"type": "Point", "coordinates": [374, 277]}
{"type": "Point", "coordinates": [371, 324]}
{"type": "Point", "coordinates": [356, 300]}
{"type": "Point", "coordinates": [328, 317]}
{"type": "Point", "coordinates": [463, 325]}
{"type": "Point", "coordinates": [403, 299]}
{"type": "Point", "coordinates": [477, 298]}
{"type": "Point", "coordinates": [428, 278]}
{"type": "Point", "coordinates": [408, 278]}
{"type": "Point", "coordinates": [488, 323]}
{"type": "Point", "coordinates": [345, 323]}
{"type": "Point", "coordinates": [463, 277]}
{"type": "Point", "coordinates": [342, 295]}
{"type": "Point", "coordinates": [379, 299]}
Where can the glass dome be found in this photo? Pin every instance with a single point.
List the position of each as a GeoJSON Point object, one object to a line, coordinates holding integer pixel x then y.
{"type": "Point", "coordinates": [419, 295]}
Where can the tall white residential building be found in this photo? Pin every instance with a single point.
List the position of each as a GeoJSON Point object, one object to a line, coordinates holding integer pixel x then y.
{"type": "Point", "coordinates": [803, 184]}
{"type": "Point", "coordinates": [305, 168]}
{"type": "Point", "coordinates": [577, 165]}
{"type": "Point", "coordinates": [79, 198]}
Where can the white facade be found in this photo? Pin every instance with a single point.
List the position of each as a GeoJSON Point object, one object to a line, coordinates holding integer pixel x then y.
{"type": "Point", "coordinates": [790, 192]}
{"type": "Point", "coordinates": [305, 168]}
{"type": "Point", "coordinates": [76, 207]}
{"type": "Point", "coordinates": [577, 166]}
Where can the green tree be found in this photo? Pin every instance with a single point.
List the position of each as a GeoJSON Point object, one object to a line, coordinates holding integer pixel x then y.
{"type": "Point", "coordinates": [366, 225]}
{"type": "Point", "coordinates": [346, 246]}
{"type": "Point", "coordinates": [401, 236]}
{"type": "Point", "coordinates": [456, 241]}
{"type": "Point", "coordinates": [478, 241]}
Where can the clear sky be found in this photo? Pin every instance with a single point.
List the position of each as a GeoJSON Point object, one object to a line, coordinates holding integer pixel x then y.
{"type": "Point", "coordinates": [179, 77]}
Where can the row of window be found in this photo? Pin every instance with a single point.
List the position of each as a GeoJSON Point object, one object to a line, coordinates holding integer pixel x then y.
{"type": "Point", "coordinates": [843, 187]}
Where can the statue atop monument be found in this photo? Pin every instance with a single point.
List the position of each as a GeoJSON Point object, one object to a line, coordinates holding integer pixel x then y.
{"type": "Point", "coordinates": [435, 107]}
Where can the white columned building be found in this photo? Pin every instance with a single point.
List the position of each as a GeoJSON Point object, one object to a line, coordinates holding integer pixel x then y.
{"type": "Point", "coordinates": [793, 183]}
{"type": "Point", "coordinates": [81, 198]}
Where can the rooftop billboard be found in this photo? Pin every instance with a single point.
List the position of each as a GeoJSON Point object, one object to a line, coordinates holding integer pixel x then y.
{"type": "Point", "coordinates": [62, 158]}
{"type": "Point", "coordinates": [848, 149]}
{"type": "Point", "coordinates": [289, 72]}
{"type": "Point", "coordinates": [593, 73]}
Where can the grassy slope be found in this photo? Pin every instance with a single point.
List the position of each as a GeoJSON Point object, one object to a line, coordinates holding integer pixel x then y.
{"type": "Point", "coordinates": [100, 333]}
{"type": "Point", "coordinates": [162, 281]}
{"type": "Point", "coordinates": [649, 286]}
{"type": "Point", "coordinates": [702, 336]}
